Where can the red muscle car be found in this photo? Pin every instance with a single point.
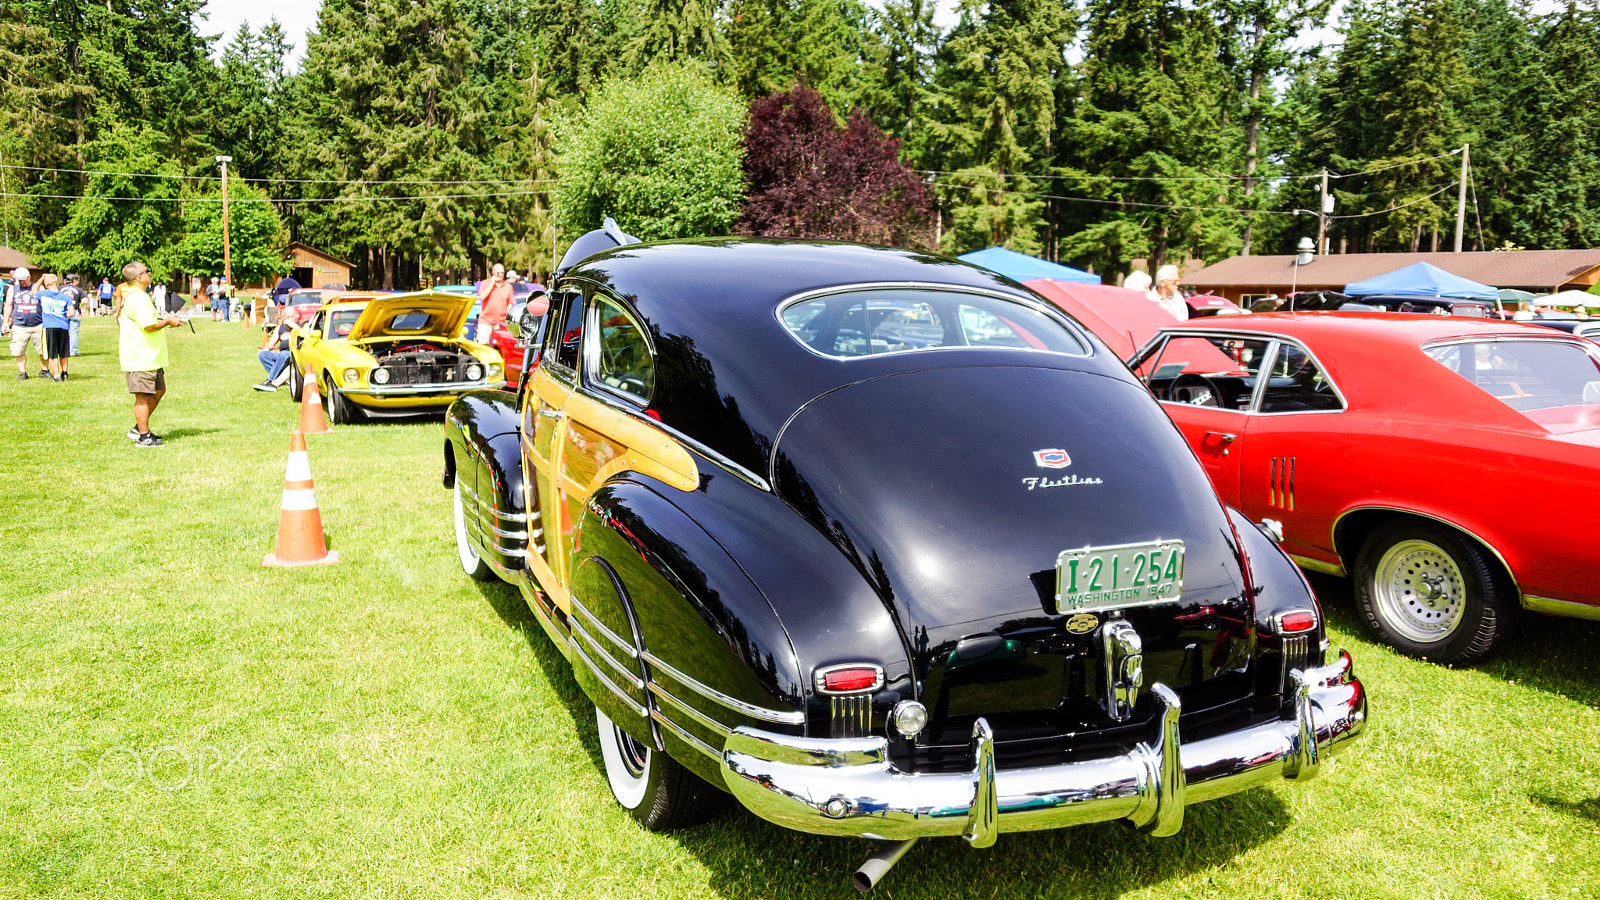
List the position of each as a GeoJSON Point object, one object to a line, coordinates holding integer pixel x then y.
{"type": "Point", "coordinates": [1450, 466]}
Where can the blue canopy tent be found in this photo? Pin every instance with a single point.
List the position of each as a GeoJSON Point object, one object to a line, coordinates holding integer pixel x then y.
{"type": "Point", "coordinates": [1423, 280]}
{"type": "Point", "coordinates": [1021, 267]}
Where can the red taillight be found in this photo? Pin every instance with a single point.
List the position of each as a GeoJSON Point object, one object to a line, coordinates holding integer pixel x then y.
{"type": "Point", "coordinates": [1297, 621]}
{"type": "Point", "coordinates": [849, 679]}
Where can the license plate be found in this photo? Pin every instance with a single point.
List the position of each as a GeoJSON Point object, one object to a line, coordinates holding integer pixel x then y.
{"type": "Point", "coordinates": [1120, 576]}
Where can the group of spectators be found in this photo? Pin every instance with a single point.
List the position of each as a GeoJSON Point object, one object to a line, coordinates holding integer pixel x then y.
{"type": "Point", "coordinates": [46, 316]}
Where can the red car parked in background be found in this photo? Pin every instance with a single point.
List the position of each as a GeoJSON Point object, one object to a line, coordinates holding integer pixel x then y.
{"type": "Point", "coordinates": [1450, 466]}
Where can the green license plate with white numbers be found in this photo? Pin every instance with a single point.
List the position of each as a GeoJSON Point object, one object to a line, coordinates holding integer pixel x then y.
{"type": "Point", "coordinates": [1120, 576]}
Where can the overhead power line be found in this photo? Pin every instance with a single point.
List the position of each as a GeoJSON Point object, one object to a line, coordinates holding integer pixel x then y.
{"type": "Point", "coordinates": [368, 199]}
{"type": "Point", "coordinates": [355, 182]}
{"type": "Point", "coordinates": [1223, 176]}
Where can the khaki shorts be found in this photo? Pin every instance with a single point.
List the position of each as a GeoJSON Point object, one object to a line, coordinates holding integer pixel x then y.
{"type": "Point", "coordinates": [153, 382]}
{"type": "Point", "coordinates": [22, 335]}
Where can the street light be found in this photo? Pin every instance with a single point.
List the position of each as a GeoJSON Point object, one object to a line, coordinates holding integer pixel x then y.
{"type": "Point", "coordinates": [1304, 252]}
{"type": "Point", "coordinates": [227, 250]}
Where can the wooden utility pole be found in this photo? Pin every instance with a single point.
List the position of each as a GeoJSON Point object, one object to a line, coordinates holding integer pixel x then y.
{"type": "Point", "coordinates": [1322, 216]}
{"type": "Point", "coordinates": [1461, 200]}
{"type": "Point", "coordinates": [227, 249]}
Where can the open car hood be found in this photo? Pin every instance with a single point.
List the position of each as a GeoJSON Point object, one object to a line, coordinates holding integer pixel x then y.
{"type": "Point", "coordinates": [388, 316]}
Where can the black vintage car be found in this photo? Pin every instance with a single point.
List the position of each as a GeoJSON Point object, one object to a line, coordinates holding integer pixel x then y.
{"type": "Point", "coordinates": [882, 544]}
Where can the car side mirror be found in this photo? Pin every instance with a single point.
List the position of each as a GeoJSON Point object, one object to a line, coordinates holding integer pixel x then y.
{"type": "Point", "coordinates": [527, 328]}
{"type": "Point", "coordinates": [313, 333]}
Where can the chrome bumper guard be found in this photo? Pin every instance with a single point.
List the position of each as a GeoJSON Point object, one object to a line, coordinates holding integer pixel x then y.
{"type": "Point", "coordinates": [849, 786]}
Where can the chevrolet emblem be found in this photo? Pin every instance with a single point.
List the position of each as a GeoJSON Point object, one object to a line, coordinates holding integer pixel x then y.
{"type": "Point", "coordinates": [1082, 623]}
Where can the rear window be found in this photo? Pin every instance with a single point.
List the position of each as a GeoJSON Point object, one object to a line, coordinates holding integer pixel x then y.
{"type": "Point", "coordinates": [1525, 374]}
{"type": "Point", "coordinates": [876, 322]}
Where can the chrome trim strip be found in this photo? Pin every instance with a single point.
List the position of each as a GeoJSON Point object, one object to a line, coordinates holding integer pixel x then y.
{"type": "Point", "coordinates": [983, 818]}
{"type": "Point", "coordinates": [1317, 565]}
{"type": "Point", "coordinates": [637, 707]}
{"type": "Point", "coordinates": [850, 786]}
{"type": "Point", "coordinates": [686, 737]}
{"type": "Point", "coordinates": [1552, 607]}
{"type": "Point", "coordinates": [422, 390]}
{"type": "Point", "coordinates": [850, 714]}
{"type": "Point", "coordinates": [626, 646]}
{"type": "Point", "coordinates": [739, 706]}
{"type": "Point", "coordinates": [695, 714]}
{"type": "Point", "coordinates": [634, 681]}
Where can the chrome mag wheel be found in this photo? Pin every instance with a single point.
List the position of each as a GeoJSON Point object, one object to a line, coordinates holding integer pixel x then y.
{"type": "Point", "coordinates": [1419, 591]}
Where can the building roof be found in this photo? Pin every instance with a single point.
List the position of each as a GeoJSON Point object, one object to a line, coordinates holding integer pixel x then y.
{"type": "Point", "coordinates": [1535, 270]}
{"type": "Point", "coordinates": [11, 257]}
{"type": "Point", "coordinates": [298, 245]}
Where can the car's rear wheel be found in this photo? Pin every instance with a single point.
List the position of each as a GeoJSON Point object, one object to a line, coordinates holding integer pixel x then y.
{"type": "Point", "coordinates": [471, 563]}
{"type": "Point", "coordinates": [1431, 592]}
{"type": "Point", "coordinates": [650, 785]}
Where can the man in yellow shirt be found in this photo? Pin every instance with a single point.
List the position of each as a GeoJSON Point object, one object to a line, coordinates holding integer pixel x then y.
{"type": "Point", "coordinates": [143, 349]}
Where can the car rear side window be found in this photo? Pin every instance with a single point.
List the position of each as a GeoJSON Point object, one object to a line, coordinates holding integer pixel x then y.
{"type": "Point", "coordinates": [622, 357]}
{"type": "Point", "coordinates": [875, 322]}
{"type": "Point", "coordinates": [1525, 374]}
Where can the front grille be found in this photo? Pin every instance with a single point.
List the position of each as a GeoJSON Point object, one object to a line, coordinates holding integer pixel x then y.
{"type": "Point", "coordinates": [426, 368]}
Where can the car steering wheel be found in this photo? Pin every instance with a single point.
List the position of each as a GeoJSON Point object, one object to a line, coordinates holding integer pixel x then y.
{"type": "Point", "coordinates": [1194, 390]}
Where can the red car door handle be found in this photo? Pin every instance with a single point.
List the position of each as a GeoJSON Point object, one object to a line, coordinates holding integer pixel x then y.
{"type": "Point", "coordinates": [1222, 436]}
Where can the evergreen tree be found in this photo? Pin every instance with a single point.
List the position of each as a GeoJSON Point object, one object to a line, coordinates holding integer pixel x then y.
{"type": "Point", "coordinates": [120, 217]}
{"type": "Point", "coordinates": [1153, 113]}
{"type": "Point", "coordinates": [1558, 177]}
{"type": "Point", "coordinates": [994, 119]}
{"type": "Point", "coordinates": [390, 110]}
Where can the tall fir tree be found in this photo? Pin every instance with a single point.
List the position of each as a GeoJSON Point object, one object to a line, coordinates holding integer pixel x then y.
{"type": "Point", "coordinates": [1146, 150]}
{"type": "Point", "coordinates": [993, 119]}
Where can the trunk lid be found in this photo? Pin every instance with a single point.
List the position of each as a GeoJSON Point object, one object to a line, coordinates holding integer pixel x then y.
{"type": "Point", "coordinates": [954, 491]}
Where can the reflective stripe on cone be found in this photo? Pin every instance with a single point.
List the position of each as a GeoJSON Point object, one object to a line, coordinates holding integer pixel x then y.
{"type": "Point", "coordinates": [300, 540]}
{"type": "Point", "coordinates": [312, 418]}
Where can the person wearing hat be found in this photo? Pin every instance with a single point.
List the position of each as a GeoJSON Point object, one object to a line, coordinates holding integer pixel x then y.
{"type": "Point", "coordinates": [24, 318]}
{"type": "Point", "coordinates": [76, 296]}
{"type": "Point", "coordinates": [1166, 295]}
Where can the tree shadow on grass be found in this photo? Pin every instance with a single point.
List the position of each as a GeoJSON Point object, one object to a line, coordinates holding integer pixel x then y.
{"type": "Point", "coordinates": [750, 857]}
{"type": "Point", "coordinates": [1578, 809]}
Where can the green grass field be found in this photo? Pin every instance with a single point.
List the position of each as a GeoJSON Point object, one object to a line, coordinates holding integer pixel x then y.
{"type": "Point", "coordinates": [178, 721]}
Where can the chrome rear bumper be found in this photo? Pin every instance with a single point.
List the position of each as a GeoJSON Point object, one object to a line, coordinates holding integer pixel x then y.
{"type": "Point", "coordinates": [849, 786]}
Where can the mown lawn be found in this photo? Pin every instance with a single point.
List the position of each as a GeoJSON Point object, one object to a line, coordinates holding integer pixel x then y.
{"type": "Point", "coordinates": [177, 720]}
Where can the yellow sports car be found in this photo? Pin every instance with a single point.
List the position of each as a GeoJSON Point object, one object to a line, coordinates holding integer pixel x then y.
{"type": "Point", "coordinates": [392, 355]}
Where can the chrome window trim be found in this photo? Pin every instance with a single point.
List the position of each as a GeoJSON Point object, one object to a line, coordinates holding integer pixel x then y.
{"type": "Point", "coordinates": [1032, 301]}
{"type": "Point", "coordinates": [589, 348]}
{"type": "Point", "coordinates": [1274, 342]}
{"type": "Point", "coordinates": [627, 646]}
{"type": "Point", "coordinates": [739, 706]}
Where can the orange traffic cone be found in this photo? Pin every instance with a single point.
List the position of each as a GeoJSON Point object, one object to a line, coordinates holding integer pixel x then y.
{"type": "Point", "coordinates": [312, 419]}
{"type": "Point", "coordinates": [300, 541]}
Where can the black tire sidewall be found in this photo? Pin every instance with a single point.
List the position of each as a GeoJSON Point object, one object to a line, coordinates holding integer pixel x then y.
{"type": "Point", "coordinates": [1487, 607]}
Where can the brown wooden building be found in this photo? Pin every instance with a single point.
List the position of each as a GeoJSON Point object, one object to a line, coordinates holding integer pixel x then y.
{"type": "Point", "coordinates": [1243, 279]}
{"type": "Point", "coordinates": [314, 268]}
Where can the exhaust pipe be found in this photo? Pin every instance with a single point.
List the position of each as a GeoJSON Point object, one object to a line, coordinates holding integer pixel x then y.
{"type": "Point", "coordinates": [879, 864]}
